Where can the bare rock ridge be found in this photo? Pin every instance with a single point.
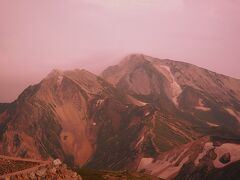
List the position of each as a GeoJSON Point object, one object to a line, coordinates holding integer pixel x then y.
{"type": "Point", "coordinates": [17, 168]}
{"type": "Point", "coordinates": [75, 116]}
{"type": "Point", "coordinates": [144, 75]}
{"type": "Point", "coordinates": [191, 102]}
{"type": "Point", "coordinates": [208, 98]}
{"type": "Point", "coordinates": [133, 116]}
{"type": "Point", "coordinates": [206, 158]}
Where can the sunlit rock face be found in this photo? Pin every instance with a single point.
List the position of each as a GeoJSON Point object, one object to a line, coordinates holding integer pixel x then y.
{"type": "Point", "coordinates": [75, 116]}
{"type": "Point", "coordinates": [50, 118]}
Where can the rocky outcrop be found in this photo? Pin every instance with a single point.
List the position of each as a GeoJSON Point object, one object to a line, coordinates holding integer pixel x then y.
{"type": "Point", "coordinates": [225, 158]}
{"type": "Point", "coordinates": [77, 117]}
{"type": "Point", "coordinates": [15, 168]}
{"type": "Point", "coordinates": [204, 102]}
{"type": "Point", "coordinates": [196, 160]}
{"type": "Point", "coordinates": [133, 114]}
{"type": "Point", "coordinates": [52, 171]}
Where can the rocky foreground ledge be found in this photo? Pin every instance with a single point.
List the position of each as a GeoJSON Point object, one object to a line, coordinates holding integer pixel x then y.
{"type": "Point", "coordinates": [17, 168]}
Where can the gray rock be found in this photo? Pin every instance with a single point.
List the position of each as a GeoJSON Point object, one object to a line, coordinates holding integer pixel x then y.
{"type": "Point", "coordinates": [212, 154]}
{"type": "Point", "coordinates": [41, 172]}
{"type": "Point", "coordinates": [25, 176]}
{"type": "Point", "coordinates": [53, 170]}
{"type": "Point", "coordinates": [57, 162]}
{"type": "Point", "coordinates": [64, 166]}
{"type": "Point", "coordinates": [74, 175]}
{"type": "Point", "coordinates": [32, 175]}
{"type": "Point", "coordinates": [226, 158]}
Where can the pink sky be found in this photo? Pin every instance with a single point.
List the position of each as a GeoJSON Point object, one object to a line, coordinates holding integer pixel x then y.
{"type": "Point", "coordinates": [37, 36]}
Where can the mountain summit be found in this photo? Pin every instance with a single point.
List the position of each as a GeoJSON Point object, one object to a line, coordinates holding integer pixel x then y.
{"type": "Point", "coordinates": [179, 87]}
{"type": "Point", "coordinates": [75, 116]}
{"type": "Point", "coordinates": [145, 75]}
{"type": "Point", "coordinates": [135, 116]}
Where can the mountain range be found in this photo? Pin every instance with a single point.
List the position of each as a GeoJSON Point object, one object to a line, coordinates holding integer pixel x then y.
{"type": "Point", "coordinates": [167, 118]}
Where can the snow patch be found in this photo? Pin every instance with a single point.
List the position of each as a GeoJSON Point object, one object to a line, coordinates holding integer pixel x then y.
{"type": "Point", "coordinates": [175, 88]}
{"type": "Point", "coordinates": [59, 80]}
{"type": "Point", "coordinates": [140, 141]}
{"type": "Point", "coordinates": [233, 113]}
{"type": "Point", "coordinates": [178, 131]}
{"type": "Point", "coordinates": [207, 147]}
{"type": "Point", "coordinates": [212, 124]}
{"type": "Point", "coordinates": [146, 114]}
{"type": "Point", "coordinates": [233, 149]}
{"type": "Point", "coordinates": [144, 162]}
{"type": "Point", "coordinates": [167, 167]}
{"type": "Point", "coordinates": [201, 106]}
{"type": "Point", "coordinates": [99, 102]}
{"type": "Point", "coordinates": [169, 172]}
{"type": "Point", "coordinates": [136, 101]}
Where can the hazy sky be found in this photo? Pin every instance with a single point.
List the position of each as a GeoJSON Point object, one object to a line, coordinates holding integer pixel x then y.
{"type": "Point", "coordinates": [39, 35]}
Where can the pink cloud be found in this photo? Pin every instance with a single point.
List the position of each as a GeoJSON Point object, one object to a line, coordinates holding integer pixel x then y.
{"type": "Point", "coordinates": [37, 36]}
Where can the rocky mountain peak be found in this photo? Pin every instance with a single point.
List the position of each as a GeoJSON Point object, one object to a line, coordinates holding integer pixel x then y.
{"type": "Point", "coordinates": [154, 72]}
{"type": "Point", "coordinates": [155, 104]}
{"type": "Point", "coordinates": [179, 87]}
